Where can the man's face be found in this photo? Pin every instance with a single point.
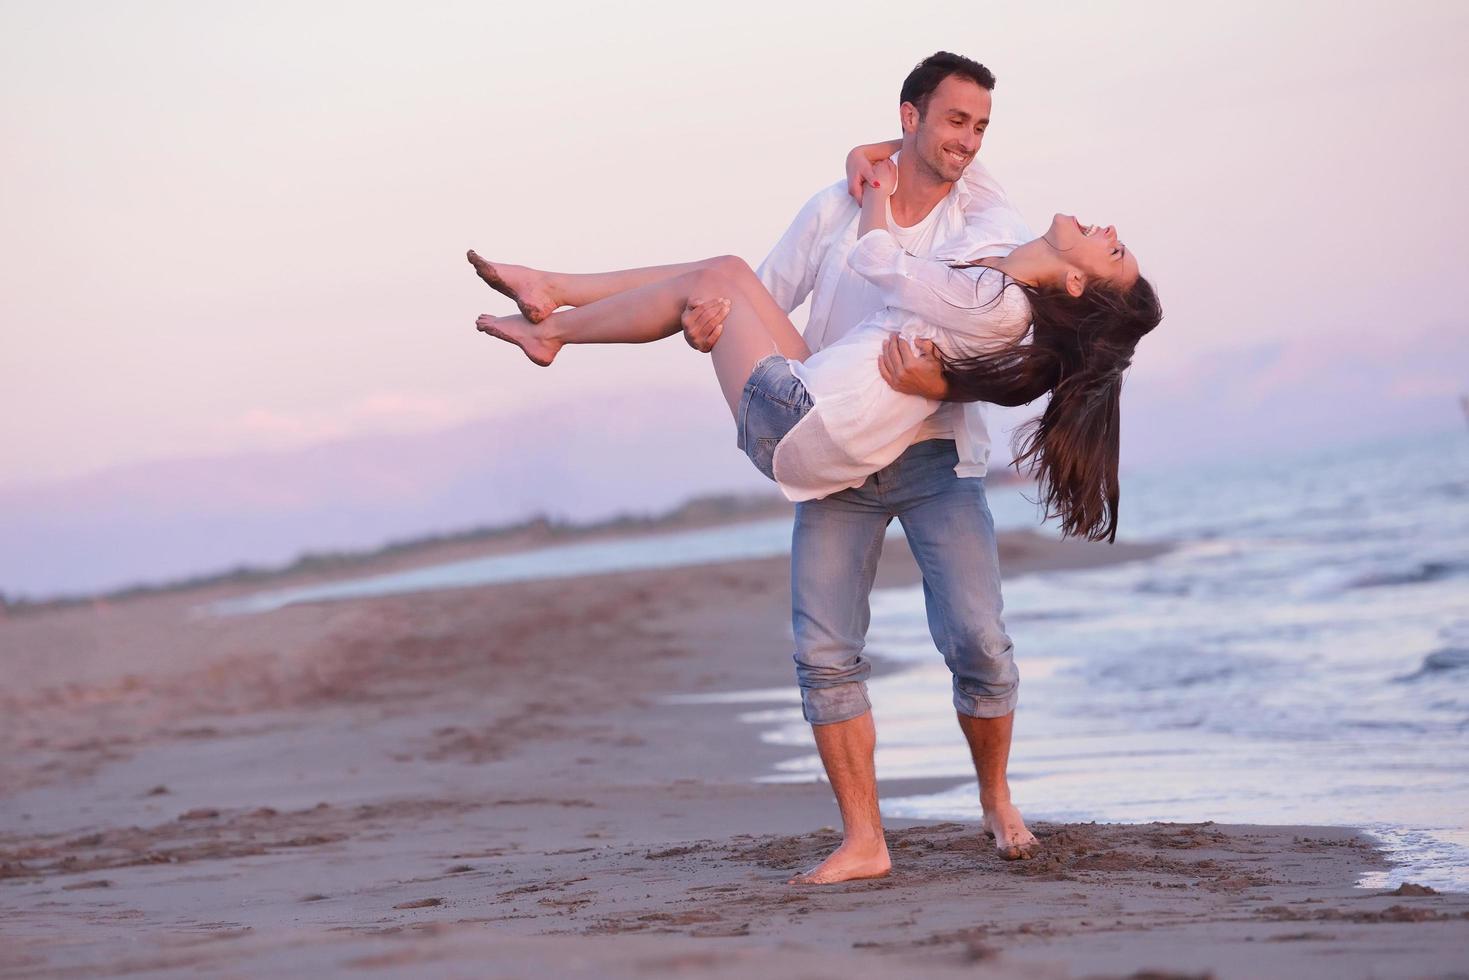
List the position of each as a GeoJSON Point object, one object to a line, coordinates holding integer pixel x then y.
{"type": "Point", "coordinates": [949, 133]}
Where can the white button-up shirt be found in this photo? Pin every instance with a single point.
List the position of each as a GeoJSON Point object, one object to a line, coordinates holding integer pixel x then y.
{"type": "Point", "coordinates": [974, 221]}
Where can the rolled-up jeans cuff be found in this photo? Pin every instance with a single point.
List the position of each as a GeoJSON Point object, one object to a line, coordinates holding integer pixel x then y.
{"type": "Point", "coordinates": [984, 707]}
{"type": "Point", "coordinates": [840, 702]}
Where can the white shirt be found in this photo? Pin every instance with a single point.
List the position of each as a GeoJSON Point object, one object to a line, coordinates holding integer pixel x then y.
{"type": "Point", "coordinates": [854, 299]}
{"type": "Point", "coordinates": [858, 424]}
{"type": "Point", "coordinates": [974, 220]}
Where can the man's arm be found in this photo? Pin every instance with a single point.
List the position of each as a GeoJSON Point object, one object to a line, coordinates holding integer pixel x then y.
{"type": "Point", "coordinates": [789, 271]}
{"type": "Point", "coordinates": [984, 190]}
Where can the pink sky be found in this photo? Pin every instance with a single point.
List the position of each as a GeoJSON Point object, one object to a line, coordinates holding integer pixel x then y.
{"type": "Point", "coordinates": [233, 229]}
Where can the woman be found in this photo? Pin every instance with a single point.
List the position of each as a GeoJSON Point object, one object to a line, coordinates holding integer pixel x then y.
{"type": "Point", "coordinates": [1059, 314]}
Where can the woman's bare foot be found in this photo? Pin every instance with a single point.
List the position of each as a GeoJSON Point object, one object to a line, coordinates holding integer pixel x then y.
{"type": "Point", "coordinates": [526, 286]}
{"type": "Point", "coordinates": [1013, 841]}
{"type": "Point", "coordinates": [523, 334]}
{"type": "Point", "coordinates": [848, 863]}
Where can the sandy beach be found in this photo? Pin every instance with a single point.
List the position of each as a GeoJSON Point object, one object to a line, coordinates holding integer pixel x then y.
{"type": "Point", "coordinates": [490, 782]}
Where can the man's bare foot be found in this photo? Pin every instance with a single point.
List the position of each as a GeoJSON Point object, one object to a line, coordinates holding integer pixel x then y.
{"type": "Point", "coordinates": [523, 334]}
{"type": "Point", "coordinates": [848, 863]}
{"type": "Point", "coordinates": [1013, 841]}
{"type": "Point", "coordinates": [526, 286]}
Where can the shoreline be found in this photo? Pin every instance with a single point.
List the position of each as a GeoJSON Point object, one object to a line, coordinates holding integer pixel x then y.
{"type": "Point", "coordinates": [313, 567]}
{"type": "Point", "coordinates": [487, 779]}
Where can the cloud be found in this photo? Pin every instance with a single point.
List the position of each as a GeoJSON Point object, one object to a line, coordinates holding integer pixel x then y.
{"type": "Point", "coordinates": [1307, 390]}
{"type": "Point", "coordinates": [1441, 384]}
{"type": "Point", "coordinates": [375, 413]}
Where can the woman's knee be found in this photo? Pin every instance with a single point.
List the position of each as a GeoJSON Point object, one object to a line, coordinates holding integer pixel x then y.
{"type": "Point", "coordinates": [731, 265]}
{"type": "Point", "coordinates": [724, 271]}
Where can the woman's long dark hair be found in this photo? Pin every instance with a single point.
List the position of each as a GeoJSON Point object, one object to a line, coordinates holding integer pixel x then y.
{"type": "Point", "coordinates": [1077, 349]}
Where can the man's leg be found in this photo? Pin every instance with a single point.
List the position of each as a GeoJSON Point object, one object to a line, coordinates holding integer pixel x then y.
{"type": "Point", "coordinates": [949, 527]}
{"type": "Point", "coordinates": [834, 552]}
{"type": "Point", "coordinates": [847, 749]}
{"type": "Point", "coordinates": [989, 747]}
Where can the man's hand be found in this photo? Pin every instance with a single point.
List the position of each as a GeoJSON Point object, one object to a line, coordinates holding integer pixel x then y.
{"type": "Point", "coordinates": [913, 372]}
{"type": "Point", "coordinates": [703, 322]}
{"type": "Point", "coordinates": [862, 166]}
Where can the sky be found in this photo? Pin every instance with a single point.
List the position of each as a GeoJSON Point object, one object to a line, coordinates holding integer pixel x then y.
{"type": "Point", "coordinates": [233, 236]}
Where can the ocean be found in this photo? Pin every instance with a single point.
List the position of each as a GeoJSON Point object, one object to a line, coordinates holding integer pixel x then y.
{"type": "Point", "coordinates": [1302, 657]}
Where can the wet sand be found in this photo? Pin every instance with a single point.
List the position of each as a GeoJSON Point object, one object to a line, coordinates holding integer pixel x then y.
{"type": "Point", "coordinates": [488, 782]}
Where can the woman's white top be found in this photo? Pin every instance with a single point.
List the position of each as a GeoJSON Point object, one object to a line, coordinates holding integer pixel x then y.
{"type": "Point", "coordinates": [858, 424]}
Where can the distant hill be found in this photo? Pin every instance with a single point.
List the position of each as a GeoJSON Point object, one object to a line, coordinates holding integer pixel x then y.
{"type": "Point", "coordinates": [171, 519]}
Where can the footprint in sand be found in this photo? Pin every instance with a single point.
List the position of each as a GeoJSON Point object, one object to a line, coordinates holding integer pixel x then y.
{"type": "Point", "coordinates": [99, 883]}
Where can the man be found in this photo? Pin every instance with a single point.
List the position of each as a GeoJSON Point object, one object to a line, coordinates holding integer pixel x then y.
{"type": "Point", "coordinates": [936, 488]}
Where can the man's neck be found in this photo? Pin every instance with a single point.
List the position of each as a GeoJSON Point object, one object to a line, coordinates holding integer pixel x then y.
{"type": "Point", "coordinates": [919, 190]}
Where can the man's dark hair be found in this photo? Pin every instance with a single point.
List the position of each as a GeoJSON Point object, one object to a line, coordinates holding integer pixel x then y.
{"type": "Point", "coordinates": [919, 86]}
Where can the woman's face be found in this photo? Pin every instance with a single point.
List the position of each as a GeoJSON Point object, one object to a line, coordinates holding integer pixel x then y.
{"type": "Point", "coordinates": [1094, 250]}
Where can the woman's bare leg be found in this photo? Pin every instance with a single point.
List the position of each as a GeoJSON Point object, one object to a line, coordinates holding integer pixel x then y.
{"type": "Point", "coordinates": [539, 294]}
{"type": "Point", "coordinates": [651, 312]}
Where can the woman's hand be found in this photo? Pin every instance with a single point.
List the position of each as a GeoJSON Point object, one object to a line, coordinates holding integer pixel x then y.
{"type": "Point", "coordinates": [862, 165]}
{"type": "Point", "coordinates": [911, 372]}
{"type": "Point", "coordinates": [875, 203]}
{"type": "Point", "coordinates": [885, 177]}
{"type": "Point", "coordinates": [703, 322]}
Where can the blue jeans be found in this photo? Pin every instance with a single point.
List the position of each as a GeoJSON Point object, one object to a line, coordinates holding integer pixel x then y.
{"type": "Point", "coordinates": [834, 552]}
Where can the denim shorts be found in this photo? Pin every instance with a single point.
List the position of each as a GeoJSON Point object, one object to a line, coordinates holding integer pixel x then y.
{"type": "Point", "coordinates": [774, 400]}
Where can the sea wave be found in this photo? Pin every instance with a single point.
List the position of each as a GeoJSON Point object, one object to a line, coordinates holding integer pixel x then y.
{"type": "Point", "coordinates": [1439, 662]}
